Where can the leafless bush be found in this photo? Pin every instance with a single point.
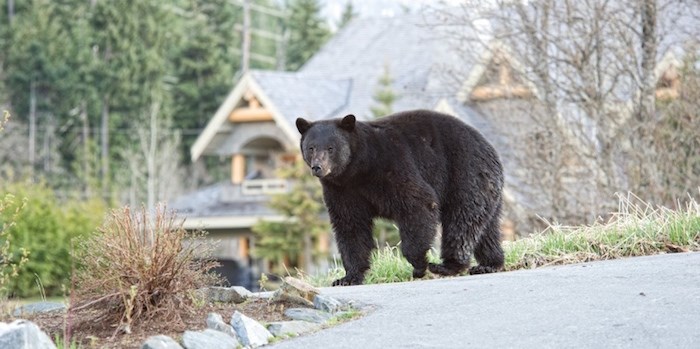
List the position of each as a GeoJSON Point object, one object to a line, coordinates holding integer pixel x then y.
{"type": "Point", "coordinates": [139, 267]}
{"type": "Point", "coordinates": [678, 139]}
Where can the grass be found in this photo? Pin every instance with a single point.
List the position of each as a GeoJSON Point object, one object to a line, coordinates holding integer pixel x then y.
{"type": "Point", "coordinates": [637, 229]}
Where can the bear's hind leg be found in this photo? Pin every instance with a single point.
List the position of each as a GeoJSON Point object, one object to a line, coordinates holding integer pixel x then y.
{"type": "Point", "coordinates": [460, 231]}
{"type": "Point", "coordinates": [488, 252]}
{"type": "Point", "coordinates": [417, 233]}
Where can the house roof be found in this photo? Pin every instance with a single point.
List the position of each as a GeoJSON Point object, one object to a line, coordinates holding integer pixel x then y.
{"type": "Point", "coordinates": [296, 95]}
{"type": "Point", "coordinates": [418, 59]}
{"type": "Point", "coordinates": [204, 208]}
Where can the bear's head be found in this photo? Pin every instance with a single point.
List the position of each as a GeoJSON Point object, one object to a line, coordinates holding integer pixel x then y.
{"type": "Point", "coordinates": [326, 145]}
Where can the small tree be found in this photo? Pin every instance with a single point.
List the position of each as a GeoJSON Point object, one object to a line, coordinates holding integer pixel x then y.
{"type": "Point", "coordinates": [384, 95]}
{"type": "Point", "coordinates": [291, 243]}
{"type": "Point", "coordinates": [10, 262]}
{"type": "Point", "coordinates": [141, 266]}
{"type": "Point", "coordinates": [384, 230]}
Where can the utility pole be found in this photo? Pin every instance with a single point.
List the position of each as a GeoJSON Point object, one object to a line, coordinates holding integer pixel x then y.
{"type": "Point", "coordinates": [245, 64]}
{"type": "Point", "coordinates": [10, 10]}
{"type": "Point", "coordinates": [249, 33]}
{"type": "Point", "coordinates": [32, 124]}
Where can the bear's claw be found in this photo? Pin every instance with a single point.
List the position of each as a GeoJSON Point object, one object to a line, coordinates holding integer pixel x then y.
{"type": "Point", "coordinates": [482, 269]}
{"type": "Point", "coordinates": [445, 269]}
{"type": "Point", "coordinates": [348, 280]}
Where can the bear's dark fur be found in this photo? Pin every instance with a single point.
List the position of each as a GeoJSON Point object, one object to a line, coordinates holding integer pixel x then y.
{"type": "Point", "coordinates": [418, 168]}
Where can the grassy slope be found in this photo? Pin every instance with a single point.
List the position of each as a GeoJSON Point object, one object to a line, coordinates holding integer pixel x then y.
{"type": "Point", "coordinates": [637, 229]}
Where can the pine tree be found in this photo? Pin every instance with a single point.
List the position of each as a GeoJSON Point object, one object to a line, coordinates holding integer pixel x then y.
{"type": "Point", "coordinates": [384, 95]}
{"type": "Point", "coordinates": [347, 15]}
{"type": "Point", "coordinates": [384, 231]}
{"type": "Point", "coordinates": [204, 65]}
{"type": "Point", "coordinates": [293, 243]}
{"type": "Point", "coordinates": [307, 31]}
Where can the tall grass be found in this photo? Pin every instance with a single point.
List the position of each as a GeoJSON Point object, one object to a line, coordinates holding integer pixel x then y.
{"type": "Point", "coordinates": [140, 267]}
{"type": "Point", "coordinates": [636, 229]}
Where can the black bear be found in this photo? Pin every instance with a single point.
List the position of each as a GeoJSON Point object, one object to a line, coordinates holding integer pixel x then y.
{"type": "Point", "coordinates": [418, 168]}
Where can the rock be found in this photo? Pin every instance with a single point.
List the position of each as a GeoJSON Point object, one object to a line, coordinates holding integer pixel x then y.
{"type": "Point", "coordinates": [296, 291]}
{"type": "Point", "coordinates": [292, 328]}
{"type": "Point", "coordinates": [23, 334]}
{"type": "Point", "coordinates": [208, 339]}
{"type": "Point", "coordinates": [306, 314]}
{"type": "Point", "coordinates": [216, 322]}
{"type": "Point", "coordinates": [235, 294]}
{"type": "Point", "coordinates": [251, 332]}
{"type": "Point", "coordinates": [326, 303]}
{"type": "Point", "coordinates": [263, 295]}
{"type": "Point", "coordinates": [160, 342]}
{"type": "Point", "coordinates": [39, 307]}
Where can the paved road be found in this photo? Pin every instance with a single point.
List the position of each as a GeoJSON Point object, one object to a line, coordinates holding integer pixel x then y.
{"type": "Point", "coordinates": [643, 302]}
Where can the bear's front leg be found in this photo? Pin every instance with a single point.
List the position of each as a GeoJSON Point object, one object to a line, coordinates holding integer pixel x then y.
{"type": "Point", "coordinates": [353, 234]}
{"type": "Point", "coordinates": [355, 245]}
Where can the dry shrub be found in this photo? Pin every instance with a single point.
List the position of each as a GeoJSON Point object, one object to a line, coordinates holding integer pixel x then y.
{"type": "Point", "coordinates": [137, 268]}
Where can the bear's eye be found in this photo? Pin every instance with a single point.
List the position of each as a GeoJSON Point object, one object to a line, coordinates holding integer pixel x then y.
{"type": "Point", "coordinates": [330, 148]}
{"type": "Point", "coordinates": [311, 148]}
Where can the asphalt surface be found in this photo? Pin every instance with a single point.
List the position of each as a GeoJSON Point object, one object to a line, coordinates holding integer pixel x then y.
{"type": "Point", "coordinates": [642, 302]}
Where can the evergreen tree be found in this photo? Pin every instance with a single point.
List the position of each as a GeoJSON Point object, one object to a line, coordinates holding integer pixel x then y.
{"type": "Point", "coordinates": [205, 64]}
{"type": "Point", "coordinates": [384, 95]}
{"type": "Point", "coordinates": [307, 32]}
{"type": "Point", "coordinates": [347, 15]}
{"type": "Point", "coordinates": [293, 243]}
{"type": "Point", "coordinates": [384, 230]}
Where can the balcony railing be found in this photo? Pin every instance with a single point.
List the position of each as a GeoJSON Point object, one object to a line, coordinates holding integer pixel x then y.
{"type": "Point", "coordinates": [264, 186]}
{"type": "Point", "coordinates": [253, 190]}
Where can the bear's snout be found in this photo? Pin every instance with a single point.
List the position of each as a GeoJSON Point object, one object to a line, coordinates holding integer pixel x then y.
{"type": "Point", "coordinates": [320, 170]}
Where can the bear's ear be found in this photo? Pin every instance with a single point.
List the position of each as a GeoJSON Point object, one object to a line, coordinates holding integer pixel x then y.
{"type": "Point", "coordinates": [348, 122]}
{"type": "Point", "coordinates": [303, 125]}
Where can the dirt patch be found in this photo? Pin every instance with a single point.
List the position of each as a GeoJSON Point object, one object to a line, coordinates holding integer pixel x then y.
{"type": "Point", "coordinates": [88, 334]}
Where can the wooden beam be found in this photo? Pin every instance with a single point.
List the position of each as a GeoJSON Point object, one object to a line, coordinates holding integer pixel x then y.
{"type": "Point", "coordinates": [250, 115]}
{"type": "Point", "coordinates": [243, 248]}
{"type": "Point", "coordinates": [237, 168]}
{"type": "Point", "coordinates": [667, 94]}
{"type": "Point", "coordinates": [486, 93]}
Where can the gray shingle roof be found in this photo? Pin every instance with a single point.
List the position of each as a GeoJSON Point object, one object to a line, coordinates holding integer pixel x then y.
{"type": "Point", "coordinates": [210, 202]}
{"type": "Point", "coordinates": [296, 95]}
{"type": "Point", "coordinates": [411, 49]}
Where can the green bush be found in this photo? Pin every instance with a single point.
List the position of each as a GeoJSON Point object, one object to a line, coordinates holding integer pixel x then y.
{"type": "Point", "coordinates": [46, 227]}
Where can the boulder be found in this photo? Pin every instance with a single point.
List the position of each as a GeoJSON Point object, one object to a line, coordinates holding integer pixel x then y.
{"type": "Point", "coordinates": [24, 334]}
{"type": "Point", "coordinates": [38, 308]}
{"type": "Point", "coordinates": [208, 339]}
{"type": "Point", "coordinates": [327, 303]}
{"type": "Point", "coordinates": [216, 322]}
{"type": "Point", "coordinates": [296, 291]}
{"type": "Point", "coordinates": [235, 294]}
{"type": "Point", "coordinates": [292, 328]}
{"type": "Point", "coordinates": [306, 314]}
{"type": "Point", "coordinates": [251, 333]}
{"type": "Point", "coordinates": [160, 342]}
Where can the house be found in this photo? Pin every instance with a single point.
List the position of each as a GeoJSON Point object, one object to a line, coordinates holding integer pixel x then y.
{"type": "Point", "coordinates": [255, 125]}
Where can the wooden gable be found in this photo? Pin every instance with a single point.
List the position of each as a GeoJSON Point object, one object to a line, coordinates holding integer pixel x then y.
{"type": "Point", "coordinates": [250, 111]}
{"type": "Point", "coordinates": [500, 80]}
{"type": "Point", "coordinates": [669, 84]}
